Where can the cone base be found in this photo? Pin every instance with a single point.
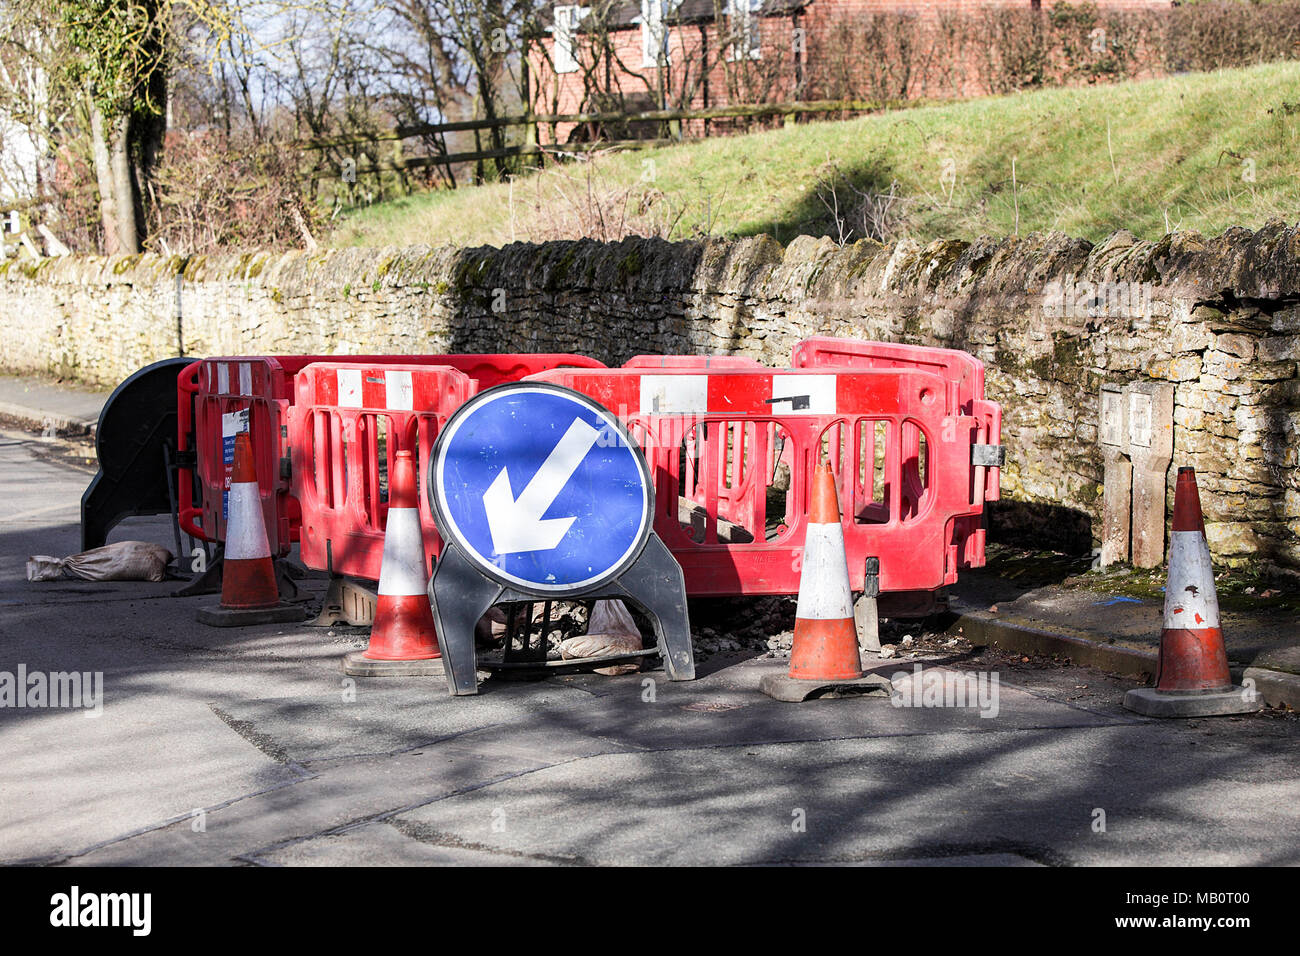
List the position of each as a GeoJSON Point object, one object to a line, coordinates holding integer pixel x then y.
{"type": "Point", "coordinates": [403, 629]}
{"type": "Point", "coordinates": [1151, 702]}
{"type": "Point", "coordinates": [247, 617]}
{"type": "Point", "coordinates": [793, 690]}
{"type": "Point", "coordinates": [249, 584]}
{"type": "Point", "coordinates": [825, 650]}
{"type": "Point", "coordinates": [1192, 660]}
{"type": "Point", "coordinates": [357, 664]}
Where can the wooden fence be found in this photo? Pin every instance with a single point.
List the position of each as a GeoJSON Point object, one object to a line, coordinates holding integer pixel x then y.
{"type": "Point", "coordinates": [531, 123]}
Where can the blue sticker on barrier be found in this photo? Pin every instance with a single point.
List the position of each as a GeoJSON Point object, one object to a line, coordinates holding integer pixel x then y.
{"type": "Point", "coordinates": [539, 486]}
{"type": "Point", "coordinates": [232, 423]}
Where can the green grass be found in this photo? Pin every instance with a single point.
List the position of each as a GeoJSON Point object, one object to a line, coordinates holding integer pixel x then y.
{"type": "Point", "coordinates": [1181, 147]}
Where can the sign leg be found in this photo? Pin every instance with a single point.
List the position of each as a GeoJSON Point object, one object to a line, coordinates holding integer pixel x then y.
{"type": "Point", "coordinates": [460, 595]}
{"type": "Point", "coordinates": [655, 582]}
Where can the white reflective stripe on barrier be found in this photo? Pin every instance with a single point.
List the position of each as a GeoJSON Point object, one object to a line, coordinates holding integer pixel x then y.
{"type": "Point", "coordinates": [818, 389]}
{"type": "Point", "coordinates": [824, 579]}
{"type": "Point", "coordinates": [674, 394]}
{"type": "Point", "coordinates": [1190, 601]}
{"type": "Point", "coordinates": [402, 573]}
{"type": "Point", "coordinates": [223, 378]}
{"type": "Point", "coordinates": [399, 391]}
{"type": "Point", "coordinates": [349, 380]}
{"type": "Point", "coordinates": [245, 378]}
{"type": "Point", "coordinates": [246, 530]}
{"type": "Point", "coordinates": [689, 395]}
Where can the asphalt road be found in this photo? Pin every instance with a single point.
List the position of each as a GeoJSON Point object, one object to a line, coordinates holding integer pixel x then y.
{"type": "Point", "coordinates": [248, 746]}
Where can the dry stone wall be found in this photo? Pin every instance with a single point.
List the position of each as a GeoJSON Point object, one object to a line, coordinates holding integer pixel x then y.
{"type": "Point", "coordinates": [1052, 316]}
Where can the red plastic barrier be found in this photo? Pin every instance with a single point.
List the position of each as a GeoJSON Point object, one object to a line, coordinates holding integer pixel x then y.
{"type": "Point", "coordinates": [962, 371]}
{"type": "Point", "coordinates": [346, 426]}
{"type": "Point", "coordinates": [697, 362]}
{"type": "Point", "coordinates": [187, 387]}
{"type": "Point", "coordinates": [213, 396]}
{"type": "Point", "coordinates": [964, 375]}
{"type": "Point", "coordinates": [732, 447]}
{"type": "Point", "coordinates": [717, 441]}
{"type": "Point", "coordinates": [230, 395]}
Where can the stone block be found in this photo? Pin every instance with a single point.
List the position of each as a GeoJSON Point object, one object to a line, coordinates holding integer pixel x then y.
{"type": "Point", "coordinates": [1235, 345]}
{"type": "Point", "coordinates": [1189, 338]}
{"type": "Point", "coordinates": [1278, 348]}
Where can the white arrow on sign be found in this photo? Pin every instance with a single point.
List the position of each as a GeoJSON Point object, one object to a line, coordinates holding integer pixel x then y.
{"type": "Point", "coordinates": [516, 524]}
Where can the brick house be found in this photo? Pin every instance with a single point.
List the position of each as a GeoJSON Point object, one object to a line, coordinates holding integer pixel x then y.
{"type": "Point", "coordinates": [647, 54]}
{"type": "Point", "coordinates": [632, 55]}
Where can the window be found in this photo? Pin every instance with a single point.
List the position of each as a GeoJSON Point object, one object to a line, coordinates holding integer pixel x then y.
{"type": "Point", "coordinates": [566, 24]}
{"type": "Point", "coordinates": [654, 35]}
{"type": "Point", "coordinates": [743, 17]}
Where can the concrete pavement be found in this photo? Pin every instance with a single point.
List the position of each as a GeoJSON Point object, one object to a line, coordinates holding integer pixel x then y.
{"type": "Point", "coordinates": [248, 746]}
{"type": "Point", "coordinates": [1043, 603]}
{"type": "Point", "coordinates": [45, 404]}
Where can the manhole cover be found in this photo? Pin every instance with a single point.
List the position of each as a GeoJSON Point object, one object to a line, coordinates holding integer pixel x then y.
{"type": "Point", "coordinates": [712, 706]}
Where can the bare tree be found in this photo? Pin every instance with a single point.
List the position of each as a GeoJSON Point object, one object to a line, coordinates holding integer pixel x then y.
{"type": "Point", "coordinates": [491, 39]}
{"type": "Point", "coordinates": [426, 80]}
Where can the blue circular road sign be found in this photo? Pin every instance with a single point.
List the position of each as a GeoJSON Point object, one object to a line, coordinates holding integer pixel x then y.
{"type": "Point", "coordinates": [541, 487]}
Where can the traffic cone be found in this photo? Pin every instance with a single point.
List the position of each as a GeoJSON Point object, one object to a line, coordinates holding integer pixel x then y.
{"type": "Point", "coordinates": [1192, 678]}
{"type": "Point", "coordinates": [403, 642]}
{"type": "Point", "coordinates": [249, 592]}
{"type": "Point", "coordinates": [824, 654]}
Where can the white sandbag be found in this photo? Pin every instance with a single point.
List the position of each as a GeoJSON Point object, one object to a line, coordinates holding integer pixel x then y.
{"type": "Point", "coordinates": [121, 561]}
{"type": "Point", "coordinates": [610, 630]}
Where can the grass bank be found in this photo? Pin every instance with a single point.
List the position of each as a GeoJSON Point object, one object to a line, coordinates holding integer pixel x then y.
{"type": "Point", "coordinates": [1201, 151]}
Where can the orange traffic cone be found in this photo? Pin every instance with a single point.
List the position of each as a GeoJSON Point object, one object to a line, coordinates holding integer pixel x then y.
{"type": "Point", "coordinates": [249, 593]}
{"type": "Point", "coordinates": [1192, 678]}
{"type": "Point", "coordinates": [824, 654]}
{"type": "Point", "coordinates": [403, 642]}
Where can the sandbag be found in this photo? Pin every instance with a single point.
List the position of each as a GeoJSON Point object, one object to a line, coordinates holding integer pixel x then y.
{"type": "Point", "coordinates": [610, 630]}
{"type": "Point", "coordinates": [122, 561]}
{"type": "Point", "coordinates": [42, 567]}
{"type": "Point", "coordinates": [491, 627]}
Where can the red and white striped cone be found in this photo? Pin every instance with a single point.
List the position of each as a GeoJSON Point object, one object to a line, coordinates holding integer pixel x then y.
{"type": "Point", "coordinates": [403, 642]}
{"type": "Point", "coordinates": [1192, 678]}
{"type": "Point", "coordinates": [249, 592]}
{"type": "Point", "coordinates": [824, 655]}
